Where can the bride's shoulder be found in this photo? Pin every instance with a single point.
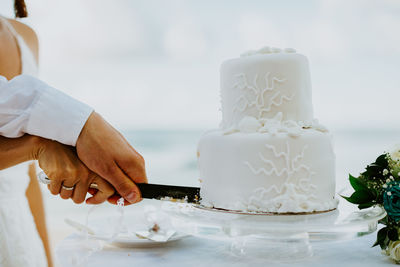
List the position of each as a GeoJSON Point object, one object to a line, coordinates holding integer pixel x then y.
{"type": "Point", "coordinates": [9, 63]}
{"type": "Point", "coordinates": [27, 33]}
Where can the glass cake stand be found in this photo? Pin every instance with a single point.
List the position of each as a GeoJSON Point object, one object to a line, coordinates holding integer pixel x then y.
{"type": "Point", "coordinates": [276, 237]}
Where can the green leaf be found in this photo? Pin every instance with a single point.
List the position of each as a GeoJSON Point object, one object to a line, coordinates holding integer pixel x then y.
{"type": "Point", "coordinates": [380, 240]}
{"type": "Point", "coordinates": [374, 192]}
{"type": "Point", "coordinates": [384, 220]}
{"type": "Point", "coordinates": [373, 170]}
{"type": "Point", "coordinates": [357, 183]}
{"type": "Point", "coordinates": [360, 197]}
{"type": "Point", "coordinates": [392, 234]}
{"type": "Point", "coordinates": [382, 161]}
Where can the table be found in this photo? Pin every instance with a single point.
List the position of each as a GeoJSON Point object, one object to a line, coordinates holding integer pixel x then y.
{"type": "Point", "coordinates": [193, 251]}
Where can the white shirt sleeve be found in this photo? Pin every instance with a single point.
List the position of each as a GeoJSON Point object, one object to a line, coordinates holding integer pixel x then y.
{"type": "Point", "coordinates": [28, 105]}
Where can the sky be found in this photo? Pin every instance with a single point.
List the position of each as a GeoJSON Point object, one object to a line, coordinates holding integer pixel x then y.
{"type": "Point", "coordinates": [155, 64]}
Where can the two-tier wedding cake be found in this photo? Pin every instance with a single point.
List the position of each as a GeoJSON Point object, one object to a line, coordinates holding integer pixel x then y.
{"type": "Point", "coordinates": [269, 154]}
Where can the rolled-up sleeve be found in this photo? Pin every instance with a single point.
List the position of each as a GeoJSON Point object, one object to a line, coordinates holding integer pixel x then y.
{"type": "Point", "coordinates": [28, 105]}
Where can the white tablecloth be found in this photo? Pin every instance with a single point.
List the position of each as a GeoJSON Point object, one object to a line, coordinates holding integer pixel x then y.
{"type": "Point", "coordinates": [200, 252]}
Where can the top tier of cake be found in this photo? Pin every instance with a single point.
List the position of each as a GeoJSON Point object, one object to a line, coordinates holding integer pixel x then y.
{"type": "Point", "coordinates": [266, 84]}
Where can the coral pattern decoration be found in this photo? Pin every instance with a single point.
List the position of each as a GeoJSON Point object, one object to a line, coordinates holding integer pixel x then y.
{"type": "Point", "coordinates": [289, 170]}
{"type": "Point", "coordinates": [263, 172]}
{"type": "Point", "coordinates": [263, 99]}
{"type": "Point", "coordinates": [296, 176]}
{"type": "Point", "coordinates": [261, 85]}
{"type": "Point", "coordinates": [269, 154]}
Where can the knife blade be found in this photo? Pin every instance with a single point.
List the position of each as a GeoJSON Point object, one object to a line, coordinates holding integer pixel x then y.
{"type": "Point", "coordinates": [155, 191]}
{"type": "Point", "coordinates": [170, 192]}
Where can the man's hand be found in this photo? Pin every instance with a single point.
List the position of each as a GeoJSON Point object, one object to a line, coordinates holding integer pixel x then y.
{"type": "Point", "coordinates": [106, 152]}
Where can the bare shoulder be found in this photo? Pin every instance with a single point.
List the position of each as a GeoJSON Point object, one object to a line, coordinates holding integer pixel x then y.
{"type": "Point", "coordinates": [28, 34]}
{"type": "Point", "coordinates": [9, 54]}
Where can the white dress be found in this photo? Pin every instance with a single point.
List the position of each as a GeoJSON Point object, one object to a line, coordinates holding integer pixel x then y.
{"type": "Point", "coordinates": [20, 244]}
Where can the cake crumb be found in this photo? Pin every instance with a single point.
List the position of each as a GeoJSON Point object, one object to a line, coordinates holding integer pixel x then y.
{"type": "Point", "coordinates": [155, 228]}
{"type": "Point", "coordinates": [178, 200]}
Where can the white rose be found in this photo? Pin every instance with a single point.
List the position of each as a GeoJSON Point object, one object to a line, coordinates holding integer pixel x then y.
{"type": "Point", "coordinates": [394, 250]}
{"type": "Point", "coordinates": [395, 154]}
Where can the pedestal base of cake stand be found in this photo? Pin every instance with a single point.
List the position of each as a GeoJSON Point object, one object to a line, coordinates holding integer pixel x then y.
{"type": "Point", "coordinates": [274, 247]}
{"type": "Point", "coordinates": [276, 237]}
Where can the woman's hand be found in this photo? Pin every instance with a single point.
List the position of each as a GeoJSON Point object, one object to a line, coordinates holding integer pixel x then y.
{"type": "Point", "coordinates": [69, 176]}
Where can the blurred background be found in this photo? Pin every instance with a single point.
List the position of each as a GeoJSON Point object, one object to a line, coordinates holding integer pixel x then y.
{"type": "Point", "coordinates": [151, 68]}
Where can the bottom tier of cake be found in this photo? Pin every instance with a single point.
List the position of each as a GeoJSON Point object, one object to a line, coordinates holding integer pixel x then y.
{"type": "Point", "coordinates": [261, 172]}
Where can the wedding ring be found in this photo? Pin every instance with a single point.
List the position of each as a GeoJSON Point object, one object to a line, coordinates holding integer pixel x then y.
{"type": "Point", "coordinates": [68, 188]}
{"type": "Point", "coordinates": [42, 177]}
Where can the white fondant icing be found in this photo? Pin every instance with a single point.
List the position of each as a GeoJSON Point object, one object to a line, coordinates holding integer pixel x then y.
{"type": "Point", "coordinates": [276, 50]}
{"type": "Point", "coordinates": [262, 85]}
{"type": "Point", "coordinates": [236, 168]}
{"type": "Point", "coordinates": [269, 154]}
{"type": "Point", "coordinates": [267, 50]}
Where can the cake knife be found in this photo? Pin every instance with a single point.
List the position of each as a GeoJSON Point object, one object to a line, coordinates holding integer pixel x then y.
{"type": "Point", "coordinates": [155, 191]}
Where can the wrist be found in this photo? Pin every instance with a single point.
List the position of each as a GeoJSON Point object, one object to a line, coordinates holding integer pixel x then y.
{"type": "Point", "coordinates": [14, 151]}
{"type": "Point", "coordinates": [93, 117]}
{"type": "Point", "coordinates": [36, 146]}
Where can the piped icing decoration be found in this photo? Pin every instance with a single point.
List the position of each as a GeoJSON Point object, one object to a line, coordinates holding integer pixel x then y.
{"type": "Point", "coordinates": [287, 165]}
{"type": "Point", "coordinates": [249, 53]}
{"type": "Point", "coordinates": [262, 98]}
{"type": "Point", "coordinates": [267, 50]}
{"type": "Point", "coordinates": [276, 50]}
{"type": "Point", "coordinates": [256, 87]}
{"type": "Point", "coordinates": [290, 201]}
{"type": "Point", "coordinates": [296, 193]}
{"type": "Point", "coordinates": [314, 124]}
{"type": "Point", "coordinates": [274, 126]}
{"type": "Point", "coordinates": [249, 125]}
{"type": "Point", "coordinates": [264, 50]}
{"type": "Point", "coordinates": [230, 130]}
{"type": "Point", "coordinates": [289, 50]}
{"type": "Point", "coordinates": [292, 165]}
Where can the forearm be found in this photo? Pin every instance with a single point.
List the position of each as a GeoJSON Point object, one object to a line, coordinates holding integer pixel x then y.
{"type": "Point", "coordinates": [17, 150]}
{"type": "Point", "coordinates": [28, 105]}
{"type": "Point", "coordinates": [35, 201]}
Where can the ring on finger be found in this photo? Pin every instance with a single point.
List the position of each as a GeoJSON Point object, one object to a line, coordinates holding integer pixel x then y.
{"type": "Point", "coordinates": [68, 188]}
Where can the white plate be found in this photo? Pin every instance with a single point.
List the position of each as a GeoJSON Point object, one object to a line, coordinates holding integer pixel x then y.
{"type": "Point", "coordinates": [127, 224]}
{"type": "Point", "coordinates": [133, 241]}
